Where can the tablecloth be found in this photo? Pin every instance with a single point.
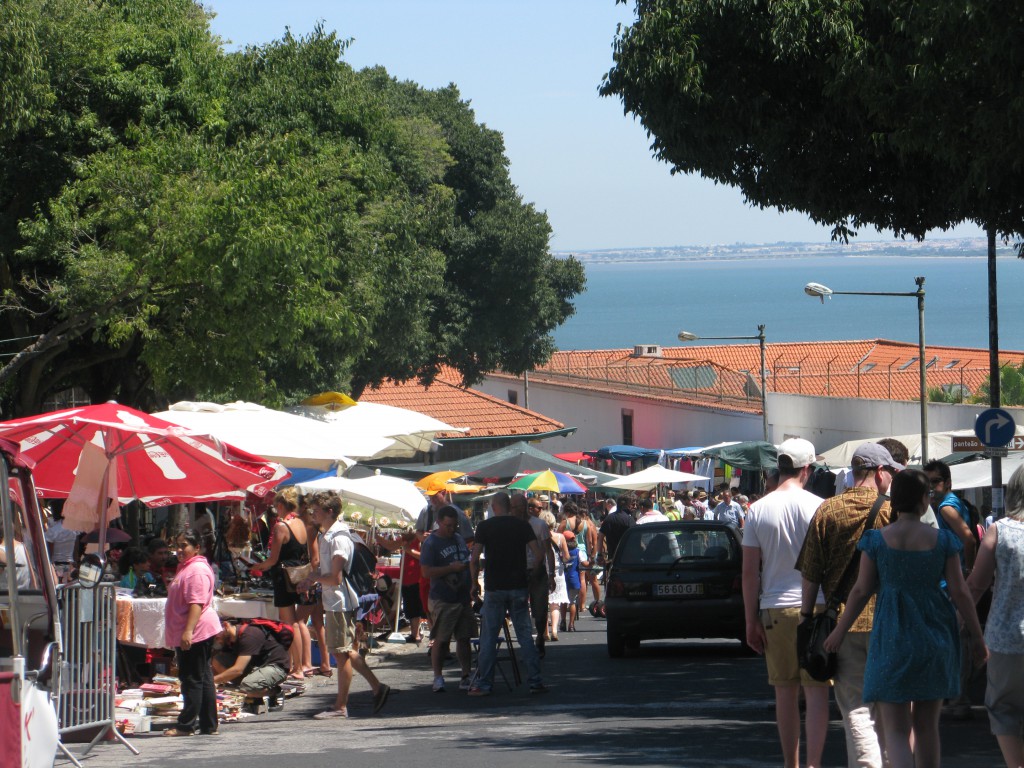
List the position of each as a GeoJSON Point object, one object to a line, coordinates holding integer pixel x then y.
{"type": "Point", "coordinates": [140, 620]}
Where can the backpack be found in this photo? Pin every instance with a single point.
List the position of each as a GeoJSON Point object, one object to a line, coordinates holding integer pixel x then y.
{"type": "Point", "coordinates": [362, 569]}
{"type": "Point", "coordinates": [282, 632]}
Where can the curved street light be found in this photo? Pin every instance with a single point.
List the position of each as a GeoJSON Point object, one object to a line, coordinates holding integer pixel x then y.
{"type": "Point", "coordinates": [687, 336]}
{"type": "Point", "coordinates": [821, 291]}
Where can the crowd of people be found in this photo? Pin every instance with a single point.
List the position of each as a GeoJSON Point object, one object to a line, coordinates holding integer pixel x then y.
{"type": "Point", "coordinates": [893, 556]}
{"type": "Point", "coordinates": [899, 557]}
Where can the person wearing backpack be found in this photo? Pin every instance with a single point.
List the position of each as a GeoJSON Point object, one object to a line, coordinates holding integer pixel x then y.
{"type": "Point", "coordinates": [261, 658]}
{"type": "Point", "coordinates": [337, 556]}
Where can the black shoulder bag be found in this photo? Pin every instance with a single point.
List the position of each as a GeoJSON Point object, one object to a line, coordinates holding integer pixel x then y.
{"type": "Point", "coordinates": [819, 663]}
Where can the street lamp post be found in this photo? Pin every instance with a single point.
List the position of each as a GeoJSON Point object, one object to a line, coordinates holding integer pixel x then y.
{"type": "Point", "coordinates": [687, 336]}
{"type": "Point", "coordinates": [821, 291]}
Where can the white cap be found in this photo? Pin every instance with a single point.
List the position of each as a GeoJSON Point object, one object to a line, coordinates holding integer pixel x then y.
{"type": "Point", "coordinates": [799, 451]}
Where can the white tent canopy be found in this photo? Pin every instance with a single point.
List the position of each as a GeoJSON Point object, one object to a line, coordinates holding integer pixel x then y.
{"type": "Point", "coordinates": [978, 474]}
{"type": "Point", "coordinates": [381, 493]}
{"type": "Point", "coordinates": [275, 435]}
{"type": "Point", "coordinates": [652, 476]}
{"type": "Point", "coordinates": [411, 432]}
{"type": "Point", "coordinates": [939, 445]}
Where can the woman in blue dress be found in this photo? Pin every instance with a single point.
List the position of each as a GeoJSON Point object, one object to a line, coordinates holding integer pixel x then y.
{"type": "Point", "coordinates": [914, 656]}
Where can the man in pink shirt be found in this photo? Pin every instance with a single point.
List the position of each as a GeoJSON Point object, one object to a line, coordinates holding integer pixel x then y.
{"type": "Point", "coordinates": [190, 625]}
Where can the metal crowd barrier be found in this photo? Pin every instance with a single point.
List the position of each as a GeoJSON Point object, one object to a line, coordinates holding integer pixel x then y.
{"type": "Point", "coordinates": [85, 697]}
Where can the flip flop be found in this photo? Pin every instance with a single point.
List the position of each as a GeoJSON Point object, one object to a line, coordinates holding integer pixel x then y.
{"type": "Point", "coordinates": [324, 672]}
{"type": "Point", "coordinates": [308, 672]}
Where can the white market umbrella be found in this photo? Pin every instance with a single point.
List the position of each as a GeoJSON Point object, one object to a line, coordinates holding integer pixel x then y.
{"type": "Point", "coordinates": [411, 431]}
{"type": "Point", "coordinates": [652, 476]}
{"type": "Point", "coordinates": [381, 493]}
{"type": "Point", "coordinates": [275, 435]}
{"type": "Point", "coordinates": [389, 495]}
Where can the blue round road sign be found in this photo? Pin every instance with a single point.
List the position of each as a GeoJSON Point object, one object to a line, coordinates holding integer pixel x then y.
{"type": "Point", "coordinates": [995, 427]}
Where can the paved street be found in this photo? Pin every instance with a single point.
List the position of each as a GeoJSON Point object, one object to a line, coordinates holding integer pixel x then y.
{"type": "Point", "coordinates": [669, 704]}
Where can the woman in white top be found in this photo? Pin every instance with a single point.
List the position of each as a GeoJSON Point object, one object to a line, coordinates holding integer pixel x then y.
{"type": "Point", "coordinates": [23, 575]}
{"type": "Point", "coordinates": [558, 599]}
{"type": "Point", "coordinates": [1001, 558]}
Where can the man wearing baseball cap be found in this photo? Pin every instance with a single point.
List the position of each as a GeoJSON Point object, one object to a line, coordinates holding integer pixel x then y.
{"type": "Point", "coordinates": [829, 547]}
{"type": "Point", "coordinates": [772, 537]}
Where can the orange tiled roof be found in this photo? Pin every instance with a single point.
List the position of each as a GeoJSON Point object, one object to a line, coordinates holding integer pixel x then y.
{"type": "Point", "coordinates": [728, 375]}
{"type": "Point", "coordinates": [453, 404]}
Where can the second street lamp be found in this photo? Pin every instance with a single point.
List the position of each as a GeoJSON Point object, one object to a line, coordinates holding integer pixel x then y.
{"type": "Point", "coordinates": [821, 291]}
{"type": "Point", "coordinates": [687, 336]}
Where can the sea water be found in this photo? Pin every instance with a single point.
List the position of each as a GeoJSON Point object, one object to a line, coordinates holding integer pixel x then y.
{"type": "Point", "coordinates": [650, 303]}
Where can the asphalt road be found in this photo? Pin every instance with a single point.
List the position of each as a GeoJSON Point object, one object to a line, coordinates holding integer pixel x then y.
{"type": "Point", "coordinates": [669, 704]}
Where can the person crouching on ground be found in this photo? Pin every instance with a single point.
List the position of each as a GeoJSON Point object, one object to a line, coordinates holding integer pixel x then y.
{"type": "Point", "coordinates": [444, 559]}
{"type": "Point", "coordinates": [260, 661]}
{"type": "Point", "coordinates": [340, 604]}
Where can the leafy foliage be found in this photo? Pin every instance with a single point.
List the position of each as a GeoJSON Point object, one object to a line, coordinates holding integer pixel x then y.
{"type": "Point", "coordinates": [1011, 386]}
{"type": "Point", "coordinates": [180, 222]}
{"type": "Point", "coordinates": [884, 113]}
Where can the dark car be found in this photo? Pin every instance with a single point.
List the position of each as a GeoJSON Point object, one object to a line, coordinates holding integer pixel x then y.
{"type": "Point", "coordinates": [676, 579]}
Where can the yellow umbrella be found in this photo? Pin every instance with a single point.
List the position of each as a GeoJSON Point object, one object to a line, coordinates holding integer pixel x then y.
{"type": "Point", "coordinates": [439, 481]}
{"type": "Point", "coordinates": [332, 401]}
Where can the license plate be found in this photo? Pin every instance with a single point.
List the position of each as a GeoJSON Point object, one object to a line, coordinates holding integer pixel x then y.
{"type": "Point", "coordinates": [678, 590]}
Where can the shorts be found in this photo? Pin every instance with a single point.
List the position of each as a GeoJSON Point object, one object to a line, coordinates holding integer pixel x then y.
{"type": "Point", "coordinates": [451, 620]}
{"type": "Point", "coordinates": [412, 603]}
{"type": "Point", "coordinates": [1004, 695]}
{"type": "Point", "coordinates": [263, 678]}
{"type": "Point", "coordinates": [780, 648]}
{"type": "Point", "coordinates": [340, 630]}
{"type": "Point", "coordinates": [574, 595]}
{"type": "Point", "coordinates": [284, 597]}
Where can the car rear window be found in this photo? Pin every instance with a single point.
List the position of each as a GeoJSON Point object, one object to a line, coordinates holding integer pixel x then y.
{"type": "Point", "coordinates": [666, 547]}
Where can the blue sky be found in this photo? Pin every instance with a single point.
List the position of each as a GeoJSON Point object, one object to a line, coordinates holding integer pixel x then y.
{"type": "Point", "coordinates": [531, 70]}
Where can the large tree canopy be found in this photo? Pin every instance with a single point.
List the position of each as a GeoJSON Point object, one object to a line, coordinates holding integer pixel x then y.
{"type": "Point", "coordinates": [180, 222]}
{"type": "Point", "coordinates": [887, 113]}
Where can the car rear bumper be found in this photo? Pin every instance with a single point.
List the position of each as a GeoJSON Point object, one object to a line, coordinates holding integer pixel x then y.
{"type": "Point", "coordinates": [652, 619]}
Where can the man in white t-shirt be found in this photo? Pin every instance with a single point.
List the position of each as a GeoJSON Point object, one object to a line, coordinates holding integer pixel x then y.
{"type": "Point", "coordinates": [773, 535]}
{"type": "Point", "coordinates": [340, 603]}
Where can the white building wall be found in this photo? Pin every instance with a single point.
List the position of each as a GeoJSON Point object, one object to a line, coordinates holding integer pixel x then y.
{"type": "Point", "coordinates": [829, 421]}
{"type": "Point", "coordinates": [597, 417]}
{"type": "Point", "coordinates": [825, 421]}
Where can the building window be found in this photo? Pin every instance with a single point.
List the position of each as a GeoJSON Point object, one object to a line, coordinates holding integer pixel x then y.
{"type": "Point", "coordinates": [627, 426]}
{"type": "Point", "coordinates": [513, 396]}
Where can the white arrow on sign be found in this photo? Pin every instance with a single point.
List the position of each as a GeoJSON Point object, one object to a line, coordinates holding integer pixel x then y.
{"type": "Point", "coordinates": [1017, 443]}
{"type": "Point", "coordinates": [998, 422]}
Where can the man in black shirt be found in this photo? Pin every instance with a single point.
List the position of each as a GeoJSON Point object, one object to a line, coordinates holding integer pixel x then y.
{"type": "Point", "coordinates": [260, 657]}
{"type": "Point", "coordinates": [504, 538]}
{"type": "Point", "coordinates": [615, 525]}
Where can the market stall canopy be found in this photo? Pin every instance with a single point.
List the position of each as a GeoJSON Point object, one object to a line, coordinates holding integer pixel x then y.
{"type": "Point", "coordinates": [752, 455]}
{"type": "Point", "coordinates": [652, 476]}
{"type": "Point", "coordinates": [978, 474]}
{"type": "Point", "coordinates": [695, 451]}
{"type": "Point", "coordinates": [625, 453]}
{"type": "Point", "coordinates": [110, 451]}
{"type": "Point", "coordinates": [411, 431]}
{"type": "Point", "coordinates": [388, 495]}
{"type": "Point", "coordinates": [522, 458]}
{"type": "Point", "coordinates": [939, 444]}
{"type": "Point", "coordinates": [275, 435]}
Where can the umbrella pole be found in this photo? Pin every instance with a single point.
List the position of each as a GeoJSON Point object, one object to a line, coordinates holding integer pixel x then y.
{"type": "Point", "coordinates": [396, 636]}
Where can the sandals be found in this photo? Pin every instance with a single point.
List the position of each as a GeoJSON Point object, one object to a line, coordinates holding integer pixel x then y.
{"type": "Point", "coordinates": [328, 673]}
{"type": "Point", "coordinates": [177, 732]}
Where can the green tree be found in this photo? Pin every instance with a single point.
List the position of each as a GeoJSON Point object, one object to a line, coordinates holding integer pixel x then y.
{"type": "Point", "coordinates": [1011, 386]}
{"type": "Point", "coordinates": [256, 225]}
{"type": "Point", "coordinates": [884, 113]}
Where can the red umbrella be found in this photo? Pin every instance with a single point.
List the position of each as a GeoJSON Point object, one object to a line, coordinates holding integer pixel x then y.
{"type": "Point", "coordinates": [135, 456]}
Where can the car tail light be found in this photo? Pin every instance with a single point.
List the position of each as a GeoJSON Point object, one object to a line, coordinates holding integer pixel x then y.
{"type": "Point", "coordinates": [615, 588]}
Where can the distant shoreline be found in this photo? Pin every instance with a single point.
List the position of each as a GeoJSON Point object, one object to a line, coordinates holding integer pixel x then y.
{"type": "Point", "coordinates": [959, 248]}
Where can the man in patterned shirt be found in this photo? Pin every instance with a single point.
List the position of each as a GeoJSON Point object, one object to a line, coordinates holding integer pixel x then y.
{"type": "Point", "coordinates": [830, 545]}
